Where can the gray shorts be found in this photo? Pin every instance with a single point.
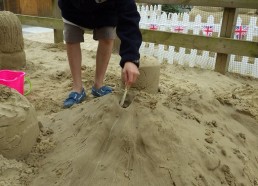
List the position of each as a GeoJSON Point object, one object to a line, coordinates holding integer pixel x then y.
{"type": "Point", "coordinates": [74, 34]}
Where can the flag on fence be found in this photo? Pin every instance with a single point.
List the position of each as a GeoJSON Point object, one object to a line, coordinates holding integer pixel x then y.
{"type": "Point", "coordinates": [179, 29]}
{"type": "Point", "coordinates": [207, 30]}
{"type": "Point", "coordinates": [241, 32]}
{"type": "Point", "coordinates": [153, 27]}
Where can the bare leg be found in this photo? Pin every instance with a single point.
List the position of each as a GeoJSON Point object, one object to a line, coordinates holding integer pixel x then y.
{"type": "Point", "coordinates": [75, 59]}
{"type": "Point", "coordinates": [104, 51]}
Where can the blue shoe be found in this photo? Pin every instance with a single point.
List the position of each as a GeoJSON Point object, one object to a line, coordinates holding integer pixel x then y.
{"type": "Point", "coordinates": [102, 91]}
{"type": "Point", "coordinates": [74, 98]}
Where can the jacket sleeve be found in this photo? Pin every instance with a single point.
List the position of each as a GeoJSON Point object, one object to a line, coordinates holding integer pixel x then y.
{"type": "Point", "coordinates": [128, 31]}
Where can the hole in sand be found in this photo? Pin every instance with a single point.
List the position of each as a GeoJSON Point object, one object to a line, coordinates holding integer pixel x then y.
{"type": "Point", "coordinates": [128, 101]}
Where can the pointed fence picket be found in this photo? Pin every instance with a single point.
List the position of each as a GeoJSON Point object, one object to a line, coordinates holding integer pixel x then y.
{"type": "Point", "coordinates": [153, 18]}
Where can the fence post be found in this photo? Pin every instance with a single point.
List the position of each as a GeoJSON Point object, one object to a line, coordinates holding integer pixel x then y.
{"type": "Point", "coordinates": [227, 30]}
{"type": "Point", "coordinates": [58, 34]}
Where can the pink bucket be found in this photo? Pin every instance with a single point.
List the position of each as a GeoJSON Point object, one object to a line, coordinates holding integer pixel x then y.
{"type": "Point", "coordinates": [13, 79]}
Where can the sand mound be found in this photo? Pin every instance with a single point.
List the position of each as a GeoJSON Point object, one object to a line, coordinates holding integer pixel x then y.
{"type": "Point", "coordinates": [187, 139]}
{"type": "Point", "coordinates": [18, 124]}
{"type": "Point", "coordinates": [117, 148]}
{"type": "Point", "coordinates": [152, 143]}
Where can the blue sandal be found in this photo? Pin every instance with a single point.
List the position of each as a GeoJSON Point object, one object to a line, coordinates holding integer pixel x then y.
{"type": "Point", "coordinates": [74, 98]}
{"type": "Point", "coordinates": [102, 91]}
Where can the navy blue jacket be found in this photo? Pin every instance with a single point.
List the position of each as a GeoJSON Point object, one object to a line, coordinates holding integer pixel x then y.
{"type": "Point", "coordinates": [121, 14]}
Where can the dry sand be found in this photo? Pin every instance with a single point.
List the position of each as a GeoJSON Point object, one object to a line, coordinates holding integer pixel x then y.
{"type": "Point", "coordinates": [200, 129]}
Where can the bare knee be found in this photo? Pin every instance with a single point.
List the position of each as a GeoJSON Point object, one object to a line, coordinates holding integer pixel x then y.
{"type": "Point", "coordinates": [108, 42]}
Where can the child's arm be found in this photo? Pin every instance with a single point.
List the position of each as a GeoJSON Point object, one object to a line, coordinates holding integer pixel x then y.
{"type": "Point", "coordinates": [128, 31]}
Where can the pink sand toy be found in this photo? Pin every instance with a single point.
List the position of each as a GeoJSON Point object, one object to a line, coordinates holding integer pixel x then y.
{"type": "Point", "coordinates": [13, 79]}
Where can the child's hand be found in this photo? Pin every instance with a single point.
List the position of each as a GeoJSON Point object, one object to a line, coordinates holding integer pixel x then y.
{"type": "Point", "coordinates": [130, 73]}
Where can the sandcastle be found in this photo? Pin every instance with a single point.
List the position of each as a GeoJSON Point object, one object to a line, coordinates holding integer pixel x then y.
{"type": "Point", "coordinates": [12, 55]}
{"type": "Point", "coordinates": [148, 80]}
{"type": "Point", "coordinates": [18, 124]}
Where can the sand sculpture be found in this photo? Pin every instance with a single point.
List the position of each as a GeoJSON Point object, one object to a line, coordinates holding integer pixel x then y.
{"type": "Point", "coordinates": [148, 80]}
{"type": "Point", "coordinates": [12, 55]}
{"type": "Point", "coordinates": [18, 124]}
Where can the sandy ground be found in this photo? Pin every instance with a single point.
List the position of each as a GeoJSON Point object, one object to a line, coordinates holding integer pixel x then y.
{"type": "Point", "coordinates": [200, 129]}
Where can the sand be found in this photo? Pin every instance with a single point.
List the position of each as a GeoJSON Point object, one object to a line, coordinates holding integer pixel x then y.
{"type": "Point", "coordinates": [12, 54]}
{"type": "Point", "coordinates": [18, 124]}
{"type": "Point", "coordinates": [201, 128]}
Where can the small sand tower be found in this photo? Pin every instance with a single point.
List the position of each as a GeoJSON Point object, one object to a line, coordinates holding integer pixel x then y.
{"type": "Point", "coordinates": [18, 124]}
{"type": "Point", "coordinates": [12, 55]}
{"type": "Point", "coordinates": [148, 80]}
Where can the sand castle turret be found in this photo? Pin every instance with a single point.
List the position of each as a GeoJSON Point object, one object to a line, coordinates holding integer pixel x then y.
{"type": "Point", "coordinates": [12, 55]}
{"type": "Point", "coordinates": [148, 80]}
{"type": "Point", "coordinates": [18, 124]}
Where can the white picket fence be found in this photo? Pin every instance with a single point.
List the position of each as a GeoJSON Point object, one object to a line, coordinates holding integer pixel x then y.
{"type": "Point", "coordinates": [153, 18]}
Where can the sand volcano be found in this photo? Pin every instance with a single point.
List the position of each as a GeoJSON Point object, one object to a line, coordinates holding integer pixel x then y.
{"type": "Point", "coordinates": [111, 145]}
{"type": "Point", "coordinates": [150, 143]}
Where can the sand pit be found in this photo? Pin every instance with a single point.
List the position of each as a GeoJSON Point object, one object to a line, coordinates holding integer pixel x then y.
{"type": "Point", "coordinates": [201, 128]}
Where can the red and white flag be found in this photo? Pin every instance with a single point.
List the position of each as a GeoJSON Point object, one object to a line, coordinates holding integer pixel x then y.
{"type": "Point", "coordinates": [241, 32]}
{"type": "Point", "coordinates": [153, 27]}
{"type": "Point", "coordinates": [207, 30]}
{"type": "Point", "coordinates": [179, 29]}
